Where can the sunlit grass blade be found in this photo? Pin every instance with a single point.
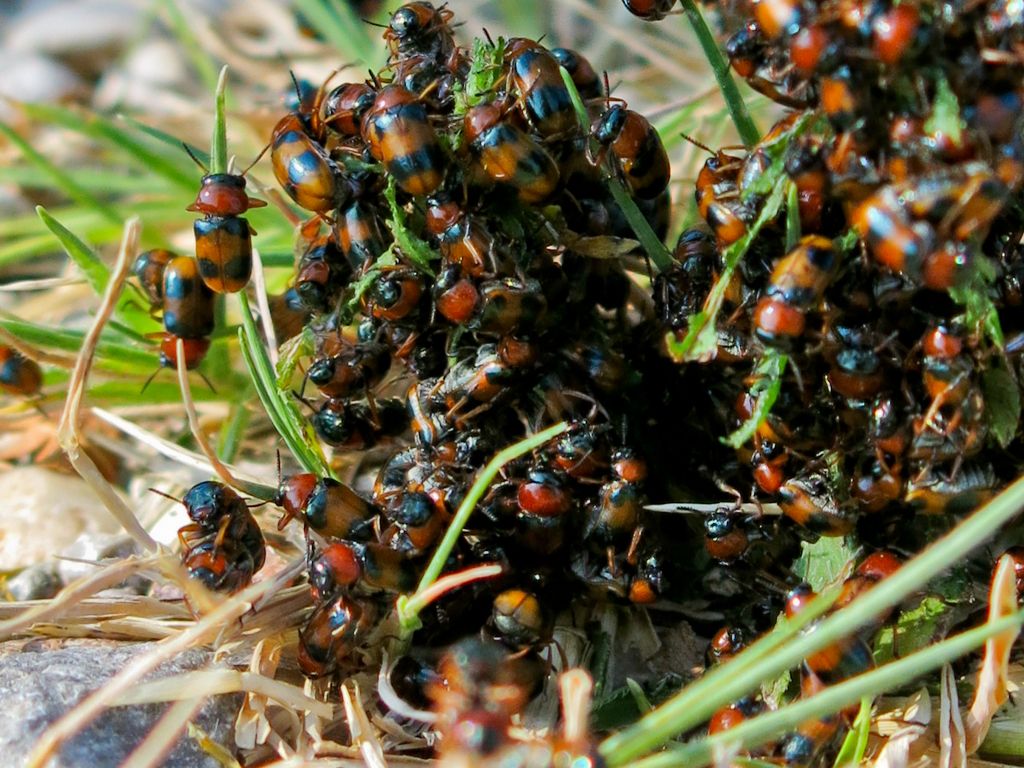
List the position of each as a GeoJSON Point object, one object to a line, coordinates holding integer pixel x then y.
{"type": "Point", "coordinates": [282, 411]}
{"type": "Point", "coordinates": [200, 58]}
{"type": "Point", "coordinates": [91, 225]}
{"type": "Point", "coordinates": [727, 683]}
{"type": "Point", "coordinates": [749, 134]}
{"type": "Point", "coordinates": [654, 248]}
{"type": "Point", "coordinates": [219, 140]}
{"type": "Point", "coordinates": [338, 24]}
{"type": "Point", "coordinates": [25, 248]}
{"type": "Point", "coordinates": [170, 140]}
{"type": "Point", "coordinates": [96, 272]}
{"type": "Point", "coordinates": [93, 180]}
{"type": "Point", "coordinates": [765, 390]}
{"type": "Point", "coordinates": [765, 727]}
{"type": "Point", "coordinates": [701, 338]}
{"type": "Point", "coordinates": [409, 606]}
{"type": "Point", "coordinates": [73, 190]}
{"type": "Point", "coordinates": [229, 440]}
{"type": "Point", "coordinates": [157, 393]}
{"type": "Point", "coordinates": [141, 153]}
{"type": "Point", "coordinates": [111, 356]}
{"type": "Point", "coordinates": [856, 742]}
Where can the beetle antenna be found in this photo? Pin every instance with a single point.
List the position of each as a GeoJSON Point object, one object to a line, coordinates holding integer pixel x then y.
{"type": "Point", "coordinates": [696, 143]}
{"type": "Point", "coordinates": [158, 492]}
{"type": "Point", "coordinates": [195, 159]}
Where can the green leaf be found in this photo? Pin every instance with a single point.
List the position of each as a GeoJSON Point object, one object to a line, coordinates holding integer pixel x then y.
{"type": "Point", "coordinates": [484, 75]}
{"type": "Point", "coordinates": [980, 313]}
{"type": "Point", "coordinates": [945, 117]}
{"type": "Point", "coordinates": [765, 390]}
{"type": "Point", "coordinates": [915, 630]}
{"type": "Point", "coordinates": [1002, 403]}
{"type": "Point", "coordinates": [822, 563]}
{"type": "Point", "coordinates": [418, 251]}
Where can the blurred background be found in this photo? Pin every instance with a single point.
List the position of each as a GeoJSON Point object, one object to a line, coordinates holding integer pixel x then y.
{"type": "Point", "coordinates": [157, 60]}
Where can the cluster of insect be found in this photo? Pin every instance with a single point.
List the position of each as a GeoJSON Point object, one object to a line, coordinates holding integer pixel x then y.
{"type": "Point", "coordinates": [876, 306]}
{"type": "Point", "coordinates": [848, 314]}
{"type": "Point", "coordinates": [457, 290]}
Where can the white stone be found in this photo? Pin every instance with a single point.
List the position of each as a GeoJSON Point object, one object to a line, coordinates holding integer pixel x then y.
{"type": "Point", "coordinates": [43, 513]}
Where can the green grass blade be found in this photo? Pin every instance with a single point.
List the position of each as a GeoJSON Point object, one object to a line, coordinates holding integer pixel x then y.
{"type": "Point", "coordinates": [25, 248]}
{"type": "Point", "coordinates": [655, 249]}
{"type": "Point", "coordinates": [278, 405]}
{"type": "Point", "coordinates": [229, 440]}
{"type": "Point", "coordinates": [338, 24]}
{"type": "Point", "coordinates": [765, 727]}
{"type": "Point", "coordinates": [701, 338]}
{"type": "Point", "coordinates": [73, 190]}
{"type": "Point", "coordinates": [855, 745]}
{"type": "Point", "coordinates": [166, 138]}
{"type": "Point", "coordinates": [408, 605]}
{"type": "Point", "coordinates": [749, 134]}
{"type": "Point", "coordinates": [219, 141]}
{"type": "Point", "coordinates": [182, 29]}
{"type": "Point", "coordinates": [111, 356]}
{"type": "Point", "coordinates": [93, 180]}
{"type": "Point", "coordinates": [157, 393]}
{"type": "Point", "coordinates": [96, 272]}
{"type": "Point", "coordinates": [103, 129]}
{"type": "Point", "coordinates": [726, 683]}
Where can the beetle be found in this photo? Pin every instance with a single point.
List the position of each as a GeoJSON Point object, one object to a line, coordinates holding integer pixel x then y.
{"type": "Point", "coordinates": [18, 374]}
{"type": "Point", "coordinates": [397, 130]}
{"type": "Point", "coordinates": [509, 155]}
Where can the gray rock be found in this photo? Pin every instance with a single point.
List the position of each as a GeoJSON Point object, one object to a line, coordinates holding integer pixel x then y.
{"type": "Point", "coordinates": [37, 582]}
{"type": "Point", "coordinates": [42, 680]}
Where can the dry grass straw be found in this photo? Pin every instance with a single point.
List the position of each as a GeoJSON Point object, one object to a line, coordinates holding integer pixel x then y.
{"type": "Point", "coordinates": [68, 431]}
{"type": "Point", "coordinates": [222, 620]}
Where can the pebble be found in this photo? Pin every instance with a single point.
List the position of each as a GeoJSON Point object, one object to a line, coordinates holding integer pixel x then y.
{"type": "Point", "coordinates": [32, 77]}
{"type": "Point", "coordinates": [153, 78]}
{"type": "Point", "coordinates": [74, 27]}
{"type": "Point", "coordinates": [41, 680]}
{"type": "Point", "coordinates": [45, 512]}
{"type": "Point", "coordinates": [37, 582]}
{"type": "Point", "coordinates": [95, 547]}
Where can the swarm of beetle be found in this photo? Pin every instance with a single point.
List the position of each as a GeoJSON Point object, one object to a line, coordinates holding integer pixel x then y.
{"type": "Point", "coordinates": [459, 288]}
{"type": "Point", "coordinates": [868, 329]}
{"type": "Point", "coordinates": [460, 285]}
